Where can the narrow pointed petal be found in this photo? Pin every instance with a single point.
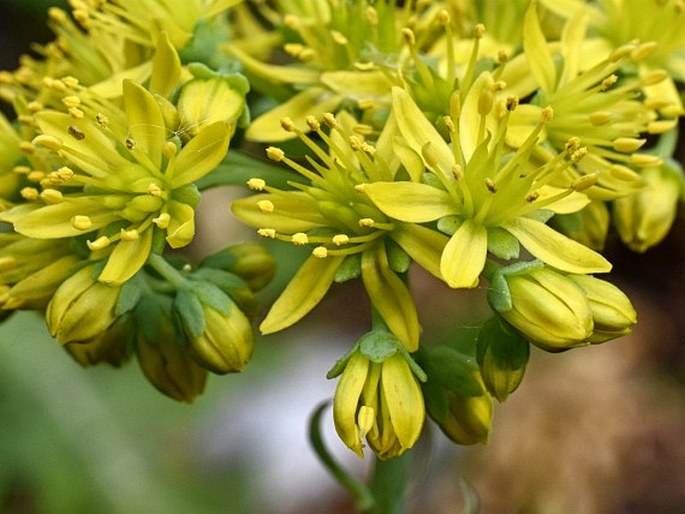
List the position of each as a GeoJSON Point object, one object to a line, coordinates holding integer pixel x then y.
{"type": "Point", "coordinates": [146, 124]}
{"type": "Point", "coordinates": [201, 155]}
{"type": "Point", "coordinates": [537, 51]}
{"type": "Point", "coordinates": [464, 255]}
{"type": "Point", "coordinates": [425, 246]}
{"type": "Point", "coordinates": [410, 201]}
{"type": "Point", "coordinates": [166, 67]}
{"type": "Point", "coordinates": [126, 259]}
{"type": "Point", "coordinates": [345, 402]}
{"type": "Point", "coordinates": [555, 249]}
{"type": "Point", "coordinates": [404, 399]}
{"type": "Point", "coordinates": [304, 291]}
{"type": "Point", "coordinates": [293, 212]}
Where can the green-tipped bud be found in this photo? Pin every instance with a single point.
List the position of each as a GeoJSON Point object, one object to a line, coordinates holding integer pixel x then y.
{"type": "Point", "coordinates": [456, 397]}
{"type": "Point", "coordinates": [380, 402]}
{"type": "Point", "coordinates": [548, 308]}
{"type": "Point", "coordinates": [502, 357]}
{"type": "Point", "coordinates": [612, 312]}
{"type": "Point", "coordinates": [589, 226]}
{"type": "Point", "coordinates": [249, 261]}
{"type": "Point", "coordinates": [82, 308]}
{"type": "Point", "coordinates": [644, 218]}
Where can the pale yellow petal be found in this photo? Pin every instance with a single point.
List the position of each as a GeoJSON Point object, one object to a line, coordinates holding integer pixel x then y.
{"type": "Point", "coordinates": [126, 259]}
{"type": "Point", "coordinates": [201, 155]}
{"type": "Point", "coordinates": [464, 255]}
{"type": "Point", "coordinates": [410, 201]}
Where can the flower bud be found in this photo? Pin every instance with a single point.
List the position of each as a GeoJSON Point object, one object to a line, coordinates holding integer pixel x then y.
{"type": "Point", "coordinates": [111, 346]}
{"type": "Point", "coordinates": [249, 261]}
{"type": "Point", "coordinates": [502, 356]}
{"type": "Point", "coordinates": [456, 397]}
{"type": "Point", "coordinates": [548, 308]}
{"type": "Point", "coordinates": [644, 218]}
{"type": "Point", "coordinates": [226, 343]}
{"type": "Point", "coordinates": [612, 312]}
{"type": "Point", "coordinates": [379, 401]}
{"type": "Point", "coordinates": [82, 308]}
{"type": "Point", "coordinates": [589, 226]}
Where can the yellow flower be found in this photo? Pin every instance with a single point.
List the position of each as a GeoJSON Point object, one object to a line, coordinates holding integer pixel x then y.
{"type": "Point", "coordinates": [380, 402]}
{"type": "Point", "coordinates": [484, 196]}
{"type": "Point", "coordinates": [349, 235]}
{"type": "Point", "coordinates": [124, 177]}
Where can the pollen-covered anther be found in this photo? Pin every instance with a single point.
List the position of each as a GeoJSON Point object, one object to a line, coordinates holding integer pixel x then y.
{"type": "Point", "coordinates": [169, 149]}
{"type": "Point", "coordinates": [366, 222]}
{"type": "Point", "coordinates": [449, 124]}
{"type": "Point", "coordinates": [512, 103]}
{"type": "Point", "coordinates": [291, 21]}
{"type": "Point", "coordinates": [609, 82]}
{"type": "Point", "coordinates": [479, 31]}
{"type": "Point", "coordinates": [34, 106]}
{"type": "Point", "coordinates": [313, 123]}
{"type": "Point", "coordinates": [129, 235]}
{"type": "Point", "coordinates": [293, 49]}
{"type": "Point", "coordinates": [340, 239]}
{"type": "Point", "coordinates": [102, 120]}
{"type": "Point", "coordinates": [81, 222]}
{"type": "Point", "coordinates": [29, 193]}
{"type": "Point", "coordinates": [21, 170]}
{"type": "Point", "coordinates": [502, 56]}
{"type": "Point", "coordinates": [275, 154]}
{"type": "Point", "coordinates": [154, 190]}
{"type": "Point", "coordinates": [70, 82]}
{"type": "Point", "coordinates": [256, 184]}
{"type": "Point", "coordinates": [490, 185]}
{"type": "Point", "coordinates": [27, 148]}
{"type": "Point", "coordinates": [130, 143]}
{"type": "Point", "coordinates": [320, 252]}
{"type": "Point", "coordinates": [572, 144]}
{"type": "Point", "coordinates": [269, 233]}
{"type": "Point", "coordinates": [579, 154]}
{"type": "Point", "coordinates": [51, 196]}
{"type": "Point", "coordinates": [58, 15]}
{"type": "Point", "coordinates": [71, 101]}
{"type": "Point", "coordinates": [368, 148]}
{"type": "Point", "coordinates": [287, 124]}
{"type": "Point", "coordinates": [48, 141]}
{"type": "Point", "coordinates": [76, 113]}
{"type": "Point", "coordinates": [162, 221]}
{"type": "Point", "coordinates": [299, 239]}
{"type": "Point", "coordinates": [99, 244]}
{"type": "Point", "coordinates": [584, 182]}
{"type": "Point", "coordinates": [329, 120]}
{"type": "Point", "coordinates": [266, 206]}
{"type": "Point", "coordinates": [355, 142]}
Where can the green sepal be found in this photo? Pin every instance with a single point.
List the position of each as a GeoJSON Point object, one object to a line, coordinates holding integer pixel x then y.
{"type": "Point", "coordinates": [378, 345]}
{"type": "Point", "coordinates": [502, 356]}
{"type": "Point", "coordinates": [449, 224]}
{"type": "Point", "coordinates": [189, 311]}
{"type": "Point", "coordinates": [232, 285]}
{"type": "Point", "coordinates": [211, 295]}
{"type": "Point", "coordinates": [398, 259]}
{"type": "Point", "coordinates": [350, 268]}
{"type": "Point", "coordinates": [188, 194]}
{"type": "Point", "coordinates": [129, 294]}
{"type": "Point", "coordinates": [150, 313]}
{"type": "Point", "coordinates": [499, 296]}
{"type": "Point", "coordinates": [450, 370]}
{"type": "Point", "coordinates": [502, 244]}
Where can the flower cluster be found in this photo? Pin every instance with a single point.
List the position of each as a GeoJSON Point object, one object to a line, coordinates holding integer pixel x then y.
{"type": "Point", "coordinates": [484, 148]}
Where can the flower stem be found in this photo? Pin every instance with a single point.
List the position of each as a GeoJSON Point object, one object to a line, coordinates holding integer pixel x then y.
{"type": "Point", "coordinates": [388, 485]}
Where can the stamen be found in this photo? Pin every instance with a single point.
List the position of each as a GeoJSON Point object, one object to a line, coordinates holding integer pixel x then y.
{"type": "Point", "coordinates": [340, 239]}
{"type": "Point", "coordinates": [76, 132]}
{"type": "Point", "coordinates": [100, 243]}
{"type": "Point", "coordinates": [266, 206]}
{"type": "Point", "coordinates": [256, 184]}
{"type": "Point", "coordinates": [80, 222]}
{"type": "Point", "coordinates": [490, 184]}
{"type": "Point", "coordinates": [269, 233]}
{"type": "Point", "coordinates": [162, 221]}
{"type": "Point", "coordinates": [51, 196]}
{"type": "Point", "coordinates": [299, 239]}
{"type": "Point", "coordinates": [627, 144]}
{"type": "Point", "coordinates": [129, 235]}
{"type": "Point", "coordinates": [275, 154]}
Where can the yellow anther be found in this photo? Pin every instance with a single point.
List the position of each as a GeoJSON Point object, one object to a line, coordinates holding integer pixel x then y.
{"type": "Point", "coordinates": [291, 21]}
{"type": "Point", "coordinates": [532, 196]}
{"type": "Point", "coordinates": [34, 106]}
{"type": "Point", "coordinates": [443, 17]}
{"type": "Point", "coordinates": [340, 239]}
{"type": "Point", "coordinates": [293, 49]}
{"type": "Point", "coordinates": [547, 114]}
{"type": "Point", "coordinates": [627, 144]}
{"type": "Point", "coordinates": [100, 243]}
{"type": "Point", "coordinates": [287, 124]}
{"type": "Point", "coordinates": [313, 123]}
{"type": "Point", "coordinates": [29, 193]}
{"type": "Point", "coordinates": [22, 170]}
{"type": "Point", "coordinates": [572, 144]}
{"type": "Point", "coordinates": [366, 222]}
{"type": "Point", "coordinates": [365, 104]}
{"type": "Point", "coordinates": [409, 37]}
{"type": "Point", "coordinates": [129, 235]}
{"type": "Point", "coordinates": [299, 239]}
{"type": "Point", "coordinates": [58, 15]}
{"type": "Point", "coordinates": [154, 190]}
{"type": "Point", "coordinates": [35, 176]}
{"type": "Point", "coordinates": [609, 81]}
{"type": "Point", "coordinates": [512, 102]}
{"type": "Point", "coordinates": [623, 173]}
{"type": "Point", "coordinates": [355, 142]}
{"type": "Point", "coordinates": [502, 56]}
{"type": "Point", "coordinates": [458, 171]}
{"type": "Point", "coordinates": [329, 120]}
{"type": "Point", "coordinates": [267, 232]}
{"type": "Point", "coordinates": [162, 221]}
{"type": "Point", "coordinates": [169, 149]}
{"type": "Point", "coordinates": [266, 206]}
{"type": "Point", "coordinates": [51, 196]}
{"type": "Point", "coordinates": [256, 184]}
{"type": "Point", "coordinates": [71, 101]}
{"type": "Point", "coordinates": [70, 82]}
{"type": "Point", "coordinates": [644, 50]}
{"type": "Point", "coordinates": [449, 124]}
{"type": "Point", "coordinates": [48, 141]}
{"type": "Point", "coordinates": [479, 31]}
{"type": "Point", "coordinates": [339, 38]}
{"type": "Point", "coordinates": [7, 263]}
{"type": "Point", "coordinates": [29, 148]}
{"type": "Point", "coordinates": [25, 119]}
{"type": "Point", "coordinates": [275, 154]}
{"type": "Point", "coordinates": [643, 160]}
{"type": "Point", "coordinates": [653, 77]}
{"type": "Point", "coordinates": [372, 16]}
{"type": "Point", "coordinates": [584, 182]}
{"type": "Point", "coordinates": [485, 101]}
{"type": "Point", "coordinates": [80, 222]}
{"type": "Point", "coordinates": [601, 118]}
{"type": "Point", "coordinates": [490, 184]}
{"type": "Point", "coordinates": [130, 143]}
{"type": "Point", "coordinates": [320, 252]}
{"type": "Point", "coordinates": [578, 155]}
{"type": "Point", "coordinates": [661, 126]}
{"type": "Point", "coordinates": [76, 113]}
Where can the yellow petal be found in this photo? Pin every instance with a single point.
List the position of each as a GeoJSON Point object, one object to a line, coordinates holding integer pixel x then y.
{"type": "Point", "coordinates": [554, 249]}
{"type": "Point", "coordinates": [145, 122]}
{"type": "Point", "coordinates": [181, 229]}
{"type": "Point", "coordinates": [390, 296]}
{"type": "Point", "coordinates": [357, 84]}
{"type": "Point", "coordinates": [537, 52]}
{"type": "Point", "coordinates": [126, 259]}
{"type": "Point", "coordinates": [346, 399]}
{"type": "Point", "coordinates": [304, 291]}
{"type": "Point", "coordinates": [410, 201]}
{"type": "Point", "coordinates": [294, 211]}
{"type": "Point", "coordinates": [464, 255]}
{"type": "Point", "coordinates": [201, 155]}
{"type": "Point", "coordinates": [166, 66]}
{"type": "Point", "coordinates": [404, 399]}
{"type": "Point", "coordinates": [423, 245]}
{"type": "Point", "coordinates": [111, 87]}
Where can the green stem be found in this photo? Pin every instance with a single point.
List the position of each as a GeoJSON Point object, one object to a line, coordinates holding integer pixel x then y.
{"type": "Point", "coordinates": [389, 484]}
{"type": "Point", "coordinates": [167, 271]}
